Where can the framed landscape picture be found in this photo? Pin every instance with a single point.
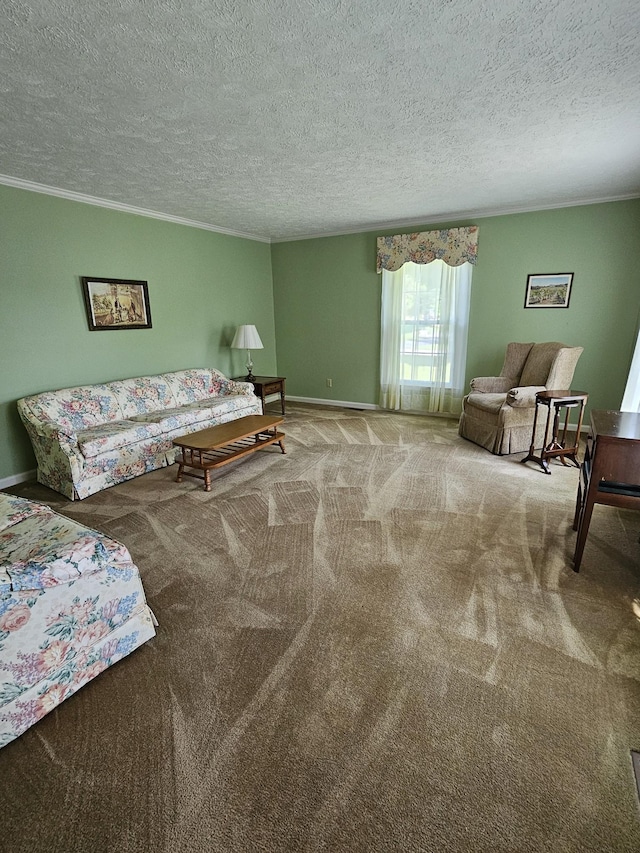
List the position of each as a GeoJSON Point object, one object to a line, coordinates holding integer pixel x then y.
{"type": "Point", "coordinates": [548, 290]}
{"type": "Point", "coordinates": [116, 303]}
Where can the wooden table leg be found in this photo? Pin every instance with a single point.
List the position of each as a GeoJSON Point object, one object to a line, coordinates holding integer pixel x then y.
{"type": "Point", "coordinates": [531, 454]}
{"type": "Point", "coordinates": [583, 525]}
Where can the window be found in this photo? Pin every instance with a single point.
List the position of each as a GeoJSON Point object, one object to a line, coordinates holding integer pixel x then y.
{"type": "Point", "coordinates": [423, 334]}
{"type": "Point", "coordinates": [425, 314]}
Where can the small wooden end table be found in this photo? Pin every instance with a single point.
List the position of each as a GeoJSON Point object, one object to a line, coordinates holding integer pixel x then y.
{"type": "Point", "coordinates": [215, 446]}
{"type": "Point", "coordinates": [266, 385]}
{"type": "Point", "coordinates": [557, 446]}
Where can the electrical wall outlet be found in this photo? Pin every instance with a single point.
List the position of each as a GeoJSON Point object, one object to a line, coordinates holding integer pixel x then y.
{"type": "Point", "coordinates": [329, 383]}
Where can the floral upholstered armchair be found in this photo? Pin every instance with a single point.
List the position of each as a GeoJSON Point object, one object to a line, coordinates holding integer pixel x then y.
{"type": "Point", "coordinates": [499, 411]}
{"type": "Point", "coordinates": [71, 605]}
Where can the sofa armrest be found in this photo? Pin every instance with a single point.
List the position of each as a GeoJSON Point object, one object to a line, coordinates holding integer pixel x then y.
{"type": "Point", "coordinates": [524, 397]}
{"type": "Point", "coordinates": [55, 432]}
{"type": "Point", "coordinates": [57, 453]}
{"type": "Point", "coordinates": [234, 387]}
{"type": "Point", "coordinates": [491, 384]}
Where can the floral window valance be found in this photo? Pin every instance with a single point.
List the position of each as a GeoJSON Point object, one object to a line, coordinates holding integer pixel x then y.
{"type": "Point", "coordinates": [454, 246]}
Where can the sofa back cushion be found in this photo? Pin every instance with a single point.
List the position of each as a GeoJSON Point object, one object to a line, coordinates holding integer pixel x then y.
{"type": "Point", "coordinates": [142, 395]}
{"type": "Point", "coordinates": [190, 386]}
{"type": "Point", "coordinates": [538, 364]}
{"type": "Point", "coordinates": [74, 409]}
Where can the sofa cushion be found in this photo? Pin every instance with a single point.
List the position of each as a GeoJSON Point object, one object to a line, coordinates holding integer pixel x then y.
{"type": "Point", "coordinates": [74, 409]}
{"type": "Point", "coordinates": [486, 402]}
{"type": "Point", "coordinates": [171, 419]}
{"type": "Point", "coordinates": [111, 436]}
{"type": "Point", "coordinates": [143, 394]}
{"type": "Point", "coordinates": [189, 386]}
{"type": "Point", "coordinates": [192, 414]}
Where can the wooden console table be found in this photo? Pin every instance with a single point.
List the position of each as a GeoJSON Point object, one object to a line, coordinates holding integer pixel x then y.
{"type": "Point", "coordinates": [557, 446]}
{"type": "Point", "coordinates": [610, 472]}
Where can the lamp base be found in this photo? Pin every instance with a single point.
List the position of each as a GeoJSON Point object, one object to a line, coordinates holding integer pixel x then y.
{"type": "Point", "coordinates": [249, 377]}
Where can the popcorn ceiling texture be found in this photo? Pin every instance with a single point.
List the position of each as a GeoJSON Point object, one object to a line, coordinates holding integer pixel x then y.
{"type": "Point", "coordinates": [280, 119]}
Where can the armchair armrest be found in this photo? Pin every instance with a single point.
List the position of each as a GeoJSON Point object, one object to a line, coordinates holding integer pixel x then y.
{"type": "Point", "coordinates": [491, 384]}
{"type": "Point", "coordinates": [524, 397]}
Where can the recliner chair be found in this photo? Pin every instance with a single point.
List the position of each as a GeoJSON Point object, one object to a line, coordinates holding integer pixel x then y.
{"type": "Point", "coordinates": [498, 413]}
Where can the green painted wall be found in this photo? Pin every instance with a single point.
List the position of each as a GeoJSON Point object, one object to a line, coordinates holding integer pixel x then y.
{"type": "Point", "coordinates": [201, 285]}
{"type": "Point", "coordinates": [325, 295]}
{"type": "Point", "coordinates": [327, 300]}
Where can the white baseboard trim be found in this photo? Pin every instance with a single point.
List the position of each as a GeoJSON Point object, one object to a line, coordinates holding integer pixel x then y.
{"type": "Point", "coordinates": [345, 404]}
{"type": "Point", "coordinates": [15, 479]}
{"type": "Point", "coordinates": [348, 404]}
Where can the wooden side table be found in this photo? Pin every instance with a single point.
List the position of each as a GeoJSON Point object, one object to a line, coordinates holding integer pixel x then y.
{"type": "Point", "coordinates": [266, 385]}
{"type": "Point", "coordinates": [557, 446]}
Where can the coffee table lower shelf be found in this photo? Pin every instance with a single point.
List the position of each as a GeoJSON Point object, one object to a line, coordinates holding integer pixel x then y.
{"type": "Point", "coordinates": [216, 446]}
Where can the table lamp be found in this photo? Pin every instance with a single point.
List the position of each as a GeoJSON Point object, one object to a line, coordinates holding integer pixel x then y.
{"type": "Point", "coordinates": [247, 337]}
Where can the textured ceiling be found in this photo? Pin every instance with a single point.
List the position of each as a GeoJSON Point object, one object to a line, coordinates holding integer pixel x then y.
{"type": "Point", "coordinates": [285, 118]}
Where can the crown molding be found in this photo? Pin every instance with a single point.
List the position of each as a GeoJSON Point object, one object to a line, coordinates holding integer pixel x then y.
{"type": "Point", "coordinates": [31, 186]}
{"type": "Point", "coordinates": [456, 216]}
{"type": "Point", "coordinates": [453, 217]}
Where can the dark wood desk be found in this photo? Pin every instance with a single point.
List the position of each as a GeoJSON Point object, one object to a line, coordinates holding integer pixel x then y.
{"type": "Point", "coordinates": [610, 473]}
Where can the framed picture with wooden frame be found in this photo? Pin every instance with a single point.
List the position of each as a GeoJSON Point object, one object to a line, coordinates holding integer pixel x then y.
{"type": "Point", "coordinates": [548, 290]}
{"type": "Point", "coordinates": [116, 303]}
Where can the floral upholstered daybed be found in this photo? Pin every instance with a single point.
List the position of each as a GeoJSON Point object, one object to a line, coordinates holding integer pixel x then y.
{"type": "Point", "coordinates": [94, 436]}
{"type": "Point", "coordinates": [71, 605]}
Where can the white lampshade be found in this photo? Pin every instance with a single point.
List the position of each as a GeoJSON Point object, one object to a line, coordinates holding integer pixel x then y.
{"type": "Point", "coordinates": [246, 337]}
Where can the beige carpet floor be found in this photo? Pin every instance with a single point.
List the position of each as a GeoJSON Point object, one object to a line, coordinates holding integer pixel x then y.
{"type": "Point", "coordinates": [373, 643]}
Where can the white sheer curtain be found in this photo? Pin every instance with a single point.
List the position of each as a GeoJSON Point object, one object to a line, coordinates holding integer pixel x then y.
{"type": "Point", "coordinates": [425, 318]}
{"type": "Point", "coordinates": [631, 399]}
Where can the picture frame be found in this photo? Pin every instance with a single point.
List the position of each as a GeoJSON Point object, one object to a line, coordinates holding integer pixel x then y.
{"type": "Point", "coordinates": [548, 290]}
{"type": "Point", "coordinates": [116, 303]}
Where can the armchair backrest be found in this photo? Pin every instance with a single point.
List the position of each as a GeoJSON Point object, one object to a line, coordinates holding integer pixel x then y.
{"type": "Point", "coordinates": [551, 365]}
{"type": "Point", "coordinates": [563, 368]}
{"type": "Point", "coordinates": [514, 361]}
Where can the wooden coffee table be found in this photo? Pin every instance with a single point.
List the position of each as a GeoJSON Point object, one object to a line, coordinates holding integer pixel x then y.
{"type": "Point", "coordinates": [218, 445]}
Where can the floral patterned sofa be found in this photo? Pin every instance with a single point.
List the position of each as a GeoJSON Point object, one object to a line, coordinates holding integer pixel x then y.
{"type": "Point", "coordinates": [71, 605]}
{"type": "Point", "coordinates": [91, 437]}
